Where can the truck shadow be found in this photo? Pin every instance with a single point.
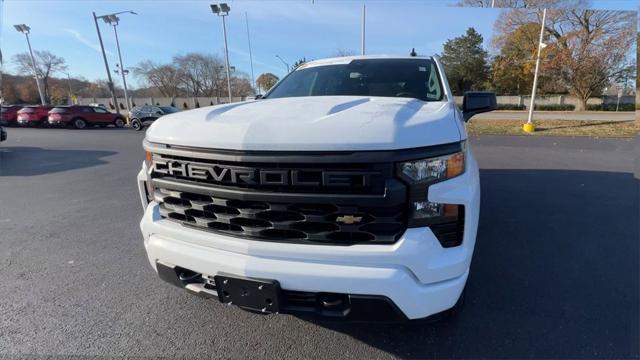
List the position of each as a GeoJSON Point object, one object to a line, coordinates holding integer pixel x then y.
{"type": "Point", "coordinates": [555, 274]}
{"type": "Point", "coordinates": [33, 161]}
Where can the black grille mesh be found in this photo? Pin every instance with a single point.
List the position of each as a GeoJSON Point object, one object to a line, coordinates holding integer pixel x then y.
{"type": "Point", "coordinates": [285, 222]}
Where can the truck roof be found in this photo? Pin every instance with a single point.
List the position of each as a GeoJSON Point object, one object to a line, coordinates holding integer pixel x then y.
{"type": "Point", "coordinates": [348, 59]}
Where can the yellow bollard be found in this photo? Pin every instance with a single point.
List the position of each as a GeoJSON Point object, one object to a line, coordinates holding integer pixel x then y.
{"type": "Point", "coordinates": [529, 127]}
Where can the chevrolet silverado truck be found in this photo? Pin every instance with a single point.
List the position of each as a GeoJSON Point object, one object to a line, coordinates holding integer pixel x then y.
{"type": "Point", "coordinates": [348, 191]}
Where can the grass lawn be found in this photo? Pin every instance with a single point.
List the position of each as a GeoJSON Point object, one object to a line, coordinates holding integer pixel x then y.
{"type": "Point", "coordinates": [555, 128]}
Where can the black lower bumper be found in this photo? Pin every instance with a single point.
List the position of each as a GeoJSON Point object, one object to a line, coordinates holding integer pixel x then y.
{"type": "Point", "coordinates": [322, 305]}
{"type": "Point", "coordinates": [3, 135]}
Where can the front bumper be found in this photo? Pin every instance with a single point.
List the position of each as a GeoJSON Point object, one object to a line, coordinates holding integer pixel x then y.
{"type": "Point", "coordinates": [416, 274]}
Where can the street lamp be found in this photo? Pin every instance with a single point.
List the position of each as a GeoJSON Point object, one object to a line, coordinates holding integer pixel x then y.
{"type": "Point", "coordinates": [284, 62]}
{"type": "Point", "coordinates": [25, 30]}
{"type": "Point", "coordinates": [113, 20]}
{"type": "Point", "coordinates": [104, 55]}
{"type": "Point", "coordinates": [223, 10]}
{"type": "Point", "coordinates": [69, 84]}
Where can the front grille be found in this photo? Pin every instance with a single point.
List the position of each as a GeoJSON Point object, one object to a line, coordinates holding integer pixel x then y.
{"type": "Point", "coordinates": [306, 173]}
{"type": "Point", "coordinates": [327, 222]}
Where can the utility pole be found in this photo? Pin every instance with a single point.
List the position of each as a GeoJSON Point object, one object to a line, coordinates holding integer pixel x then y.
{"type": "Point", "coordinates": [106, 65]}
{"type": "Point", "coordinates": [253, 81]}
{"type": "Point", "coordinates": [69, 85]}
{"type": "Point", "coordinates": [25, 30]}
{"type": "Point", "coordinates": [529, 127]}
{"type": "Point", "coordinates": [364, 20]}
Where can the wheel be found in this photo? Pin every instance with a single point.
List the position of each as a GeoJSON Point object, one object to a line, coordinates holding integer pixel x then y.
{"type": "Point", "coordinates": [44, 122]}
{"type": "Point", "coordinates": [119, 123]}
{"type": "Point", "coordinates": [136, 124]}
{"type": "Point", "coordinates": [79, 123]}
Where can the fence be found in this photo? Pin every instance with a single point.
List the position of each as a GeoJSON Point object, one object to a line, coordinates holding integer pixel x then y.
{"type": "Point", "coordinates": [525, 100]}
{"type": "Point", "coordinates": [179, 102]}
{"type": "Point", "coordinates": [184, 103]}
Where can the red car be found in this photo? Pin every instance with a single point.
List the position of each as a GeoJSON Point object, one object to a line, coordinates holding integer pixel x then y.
{"type": "Point", "coordinates": [33, 115]}
{"type": "Point", "coordinates": [9, 114]}
{"type": "Point", "coordinates": [81, 116]}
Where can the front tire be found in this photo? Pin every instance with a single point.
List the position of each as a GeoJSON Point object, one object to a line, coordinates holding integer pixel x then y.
{"type": "Point", "coordinates": [119, 123]}
{"type": "Point", "coordinates": [136, 125]}
{"type": "Point", "coordinates": [79, 123]}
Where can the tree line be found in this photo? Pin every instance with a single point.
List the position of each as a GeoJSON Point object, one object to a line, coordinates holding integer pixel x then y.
{"type": "Point", "coordinates": [586, 50]}
{"type": "Point", "coordinates": [190, 75]}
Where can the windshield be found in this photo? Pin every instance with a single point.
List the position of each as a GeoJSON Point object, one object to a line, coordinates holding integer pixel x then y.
{"type": "Point", "coordinates": [168, 109]}
{"type": "Point", "coordinates": [27, 110]}
{"type": "Point", "coordinates": [407, 78]}
{"type": "Point", "coordinates": [58, 110]}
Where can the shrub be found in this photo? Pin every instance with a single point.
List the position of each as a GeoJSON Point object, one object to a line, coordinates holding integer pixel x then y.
{"type": "Point", "coordinates": [510, 107]}
{"type": "Point", "coordinates": [555, 107]}
{"type": "Point", "coordinates": [611, 107]}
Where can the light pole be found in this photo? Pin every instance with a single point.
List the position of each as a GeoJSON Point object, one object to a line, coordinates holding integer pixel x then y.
{"type": "Point", "coordinates": [114, 20]}
{"type": "Point", "coordinates": [253, 81]}
{"type": "Point", "coordinates": [364, 17]}
{"type": "Point", "coordinates": [69, 85]}
{"type": "Point", "coordinates": [223, 10]}
{"type": "Point", "coordinates": [25, 30]}
{"type": "Point", "coordinates": [106, 64]}
{"type": "Point", "coordinates": [284, 62]}
{"type": "Point", "coordinates": [529, 127]}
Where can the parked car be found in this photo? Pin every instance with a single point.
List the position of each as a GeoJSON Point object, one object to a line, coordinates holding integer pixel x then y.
{"type": "Point", "coordinates": [35, 115]}
{"type": "Point", "coordinates": [81, 116]}
{"type": "Point", "coordinates": [145, 115]}
{"type": "Point", "coordinates": [350, 190]}
{"type": "Point", "coordinates": [3, 134]}
{"type": "Point", "coordinates": [9, 114]}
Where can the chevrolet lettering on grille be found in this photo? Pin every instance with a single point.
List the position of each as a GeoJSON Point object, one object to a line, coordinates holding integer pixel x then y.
{"type": "Point", "coordinates": [254, 176]}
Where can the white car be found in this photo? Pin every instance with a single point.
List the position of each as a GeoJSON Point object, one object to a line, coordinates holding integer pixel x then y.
{"type": "Point", "coordinates": [349, 190]}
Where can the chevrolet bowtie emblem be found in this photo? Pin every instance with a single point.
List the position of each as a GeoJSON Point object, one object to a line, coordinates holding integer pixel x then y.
{"type": "Point", "coordinates": [349, 219]}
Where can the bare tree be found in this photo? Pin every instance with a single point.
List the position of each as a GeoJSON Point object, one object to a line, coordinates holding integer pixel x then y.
{"type": "Point", "coordinates": [199, 74]}
{"type": "Point", "coordinates": [166, 78]}
{"type": "Point", "coordinates": [525, 4]}
{"type": "Point", "coordinates": [46, 65]}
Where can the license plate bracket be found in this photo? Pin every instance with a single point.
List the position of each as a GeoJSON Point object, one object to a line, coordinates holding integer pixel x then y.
{"type": "Point", "coordinates": [250, 294]}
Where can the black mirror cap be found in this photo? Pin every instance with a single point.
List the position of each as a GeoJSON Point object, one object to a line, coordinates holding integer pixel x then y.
{"type": "Point", "coordinates": [476, 102]}
{"type": "Point", "coordinates": [259, 96]}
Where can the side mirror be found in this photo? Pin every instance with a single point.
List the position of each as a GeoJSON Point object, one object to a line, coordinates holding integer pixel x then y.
{"type": "Point", "coordinates": [259, 96]}
{"type": "Point", "coordinates": [476, 102]}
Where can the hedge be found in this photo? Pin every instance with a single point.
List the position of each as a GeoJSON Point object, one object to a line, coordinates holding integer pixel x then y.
{"type": "Point", "coordinates": [510, 107]}
{"type": "Point", "coordinates": [550, 107]}
{"type": "Point", "coordinates": [555, 107]}
{"type": "Point", "coordinates": [611, 107]}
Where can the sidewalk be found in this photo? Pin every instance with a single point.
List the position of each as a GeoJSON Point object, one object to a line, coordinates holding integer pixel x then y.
{"type": "Point", "coordinates": [558, 115]}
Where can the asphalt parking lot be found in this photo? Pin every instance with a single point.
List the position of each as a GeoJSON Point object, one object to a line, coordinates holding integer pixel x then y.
{"type": "Point", "coordinates": [555, 272]}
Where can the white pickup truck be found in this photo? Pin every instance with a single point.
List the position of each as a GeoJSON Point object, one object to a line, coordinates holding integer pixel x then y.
{"type": "Point", "coordinates": [348, 191]}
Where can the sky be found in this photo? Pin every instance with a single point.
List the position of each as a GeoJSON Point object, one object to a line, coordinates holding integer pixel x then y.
{"type": "Point", "coordinates": [292, 29]}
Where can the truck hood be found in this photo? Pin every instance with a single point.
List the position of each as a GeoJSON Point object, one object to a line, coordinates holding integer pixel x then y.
{"type": "Point", "coordinates": [318, 123]}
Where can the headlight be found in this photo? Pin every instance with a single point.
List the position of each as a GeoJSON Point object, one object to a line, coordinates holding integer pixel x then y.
{"type": "Point", "coordinates": [445, 220]}
{"type": "Point", "coordinates": [434, 169]}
